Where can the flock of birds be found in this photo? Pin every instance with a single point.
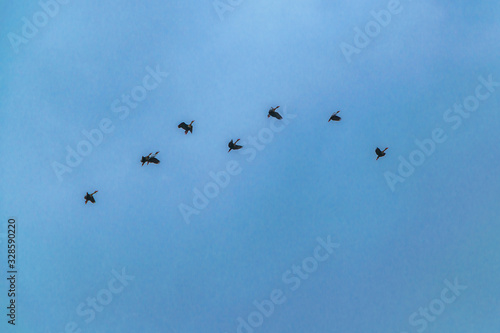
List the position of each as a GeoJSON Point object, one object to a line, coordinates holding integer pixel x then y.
{"type": "Point", "coordinates": [232, 145]}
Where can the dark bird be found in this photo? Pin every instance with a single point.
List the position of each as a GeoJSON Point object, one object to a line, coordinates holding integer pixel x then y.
{"type": "Point", "coordinates": [90, 197]}
{"type": "Point", "coordinates": [187, 128]}
{"type": "Point", "coordinates": [380, 153]}
{"type": "Point", "coordinates": [150, 159]}
{"type": "Point", "coordinates": [334, 117]}
{"type": "Point", "coordinates": [273, 113]}
{"type": "Point", "coordinates": [233, 145]}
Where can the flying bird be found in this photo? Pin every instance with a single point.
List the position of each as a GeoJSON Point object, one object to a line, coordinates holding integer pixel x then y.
{"type": "Point", "coordinates": [273, 113]}
{"type": "Point", "coordinates": [89, 197]}
{"type": "Point", "coordinates": [150, 159]}
{"type": "Point", "coordinates": [233, 145]}
{"type": "Point", "coordinates": [334, 117]}
{"type": "Point", "coordinates": [380, 153]}
{"type": "Point", "coordinates": [187, 128]}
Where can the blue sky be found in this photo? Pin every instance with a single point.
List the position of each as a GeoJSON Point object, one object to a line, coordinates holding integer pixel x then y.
{"type": "Point", "coordinates": [312, 179]}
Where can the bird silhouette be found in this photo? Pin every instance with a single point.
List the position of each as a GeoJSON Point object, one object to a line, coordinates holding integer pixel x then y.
{"type": "Point", "coordinates": [187, 128]}
{"type": "Point", "coordinates": [232, 145]}
{"type": "Point", "coordinates": [150, 159]}
{"type": "Point", "coordinates": [273, 113]}
{"type": "Point", "coordinates": [89, 197]}
{"type": "Point", "coordinates": [334, 117]}
{"type": "Point", "coordinates": [380, 153]}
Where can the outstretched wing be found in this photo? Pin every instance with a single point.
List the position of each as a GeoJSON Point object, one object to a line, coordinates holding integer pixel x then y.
{"type": "Point", "coordinates": [183, 125]}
